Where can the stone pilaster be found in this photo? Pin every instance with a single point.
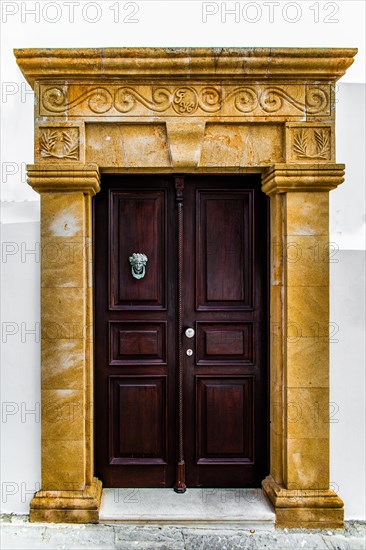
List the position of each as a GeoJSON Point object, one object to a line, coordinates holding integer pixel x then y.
{"type": "Point", "coordinates": [69, 492]}
{"type": "Point", "coordinates": [298, 485]}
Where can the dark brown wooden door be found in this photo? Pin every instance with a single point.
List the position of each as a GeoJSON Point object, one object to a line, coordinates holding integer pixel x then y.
{"type": "Point", "coordinates": [165, 417]}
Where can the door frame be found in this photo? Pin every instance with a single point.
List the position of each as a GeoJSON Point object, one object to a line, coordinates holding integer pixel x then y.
{"type": "Point", "coordinates": [199, 110]}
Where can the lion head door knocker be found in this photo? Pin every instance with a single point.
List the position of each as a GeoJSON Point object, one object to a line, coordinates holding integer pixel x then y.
{"type": "Point", "coordinates": [138, 262]}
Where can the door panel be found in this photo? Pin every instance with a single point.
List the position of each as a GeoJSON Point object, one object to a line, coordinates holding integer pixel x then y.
{"type": "Point", "coordinates": [212, 417]}
{"type": "Point", "coordinates": [224, 343]}
{"type": "Point", "coordinates": [224, 255]}
{"type": "Point", "coordinates": [224, 418]}
{"type": "Point", "coordinates": [137, 401]}
{"type": "Point", "coordinates": [137, 225]}
{"type": "Point", "coordinates": [136, 343]}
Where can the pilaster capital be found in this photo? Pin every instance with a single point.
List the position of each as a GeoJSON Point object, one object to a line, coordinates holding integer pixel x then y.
{"type": "Point", "coordinates": [56, 178]}
{"type": "Point", "coordinates": [285, 178]}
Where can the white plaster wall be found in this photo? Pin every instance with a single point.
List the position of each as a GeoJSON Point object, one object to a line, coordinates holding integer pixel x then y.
{"type": "Point", "coordinates": [347, 311]}
{"type": "Point", "coordinates": [176, 24]}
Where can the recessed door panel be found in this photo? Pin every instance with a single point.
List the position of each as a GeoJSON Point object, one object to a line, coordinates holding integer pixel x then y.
{"type": "Point", "coordinates": [137, 226]}
{"type": "Point", "coordinates": [137, 401]}
{"type": "Point", "coordinates": [225, 343]}
{"type": "Point", "coordinates": [224, 250]}
{"type": "Point", "coordinates": [137, 343]}
{"type": "Point", "coordinates": [224, 420]}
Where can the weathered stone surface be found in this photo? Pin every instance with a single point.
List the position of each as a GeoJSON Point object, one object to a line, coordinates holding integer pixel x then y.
{"type": "Point", "coordinates": [18, 534]}
{"type": "Point", "coordinates": [204, 63]}
{"type": "Point", "coordinates": [145, 536]}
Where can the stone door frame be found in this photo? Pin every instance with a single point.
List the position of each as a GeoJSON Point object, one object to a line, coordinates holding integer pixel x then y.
{"type": "Point", "coordinates": [152, 110]}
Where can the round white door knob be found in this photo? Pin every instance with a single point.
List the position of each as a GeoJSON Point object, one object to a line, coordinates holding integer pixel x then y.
{"type": "Point", "coordinates": [189, 332]}
{"type": "Point", "coordinates": [189, 352]}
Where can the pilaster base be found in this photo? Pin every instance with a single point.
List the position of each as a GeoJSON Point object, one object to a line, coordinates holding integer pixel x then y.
{"type": "Point", "coordinates": [67, 506]}
{"type": "Point", "coordinates": [310, 508]}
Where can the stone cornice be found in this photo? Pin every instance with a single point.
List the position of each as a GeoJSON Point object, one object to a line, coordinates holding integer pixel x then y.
{"type": "Point", "coordinates": [285, 178]}
{"type": "Point", "coordinates": [55, 178]}
{"type": "Point", "coordinates": [209, 64]}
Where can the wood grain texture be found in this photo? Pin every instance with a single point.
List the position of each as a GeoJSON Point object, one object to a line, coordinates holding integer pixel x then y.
{"type": "Point", "coordinates": [164, 418]}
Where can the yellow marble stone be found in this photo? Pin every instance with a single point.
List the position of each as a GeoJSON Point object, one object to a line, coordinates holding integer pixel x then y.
{"type": "Point", "coordinates": [307, 463]}
{"type": "Point", "coordinates": [276, 334]}
{"type": "Point", "coordinates": [140, 63]}
{"type": "Point", "coordinates": [89, 389]}
{"type": "Point", "coordinates": [308, 362]}
{"type": "Point", "coordinates": [307, 312]}
{"type": "Point", "coordinates": [185, 143]}
{"type": "Point", "coordinates": [277, 249]}
{"type": "Point", "coordinates": [310, 518]}
{"type": "Point", "coordinates": [276, 462]}
{"type": "Point", "coordinates": [310, 177]}
{"type": "Point", "coordinates": [63, 465]}
{"type": "Point", "coordinates": [311, 508]}
{"type": "Point", "coordinates": [63, 413]}
{"type": "Point", "coordinates": [306, 142]}
{"type": "Point", "coordinates": [59, 141]}
{"type": "Point", "coordinates": [242, 144]}
{"type": "Point", "coordinates": [63, 314]}
{"type": "Point", "coordinates": [64, 178]}
{"type": "Point", "coordinates": [125, 145]}
{"type": "Point", "coordinates": [307, 214]}
{"type": "Point", "coordinates": [276, 408]}
{"type": "Point", "coordinates": [63, 262]}
{"type": "Point", "coordinates": [62, 215]}
{"type": "Point", "coordinates": [63, 364]}
{"type": "Point", "coordinates": [188, 110]}
{"type": "Point", "coordinates": [67, 506]}
{"type": "Point", "coordinates": [307, 261]}
{"type": "Point", "coordinates": [308, 413]}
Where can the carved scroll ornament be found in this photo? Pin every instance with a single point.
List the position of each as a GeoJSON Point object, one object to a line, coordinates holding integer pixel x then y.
{"type": "Point", "coordinates": [187, 100]}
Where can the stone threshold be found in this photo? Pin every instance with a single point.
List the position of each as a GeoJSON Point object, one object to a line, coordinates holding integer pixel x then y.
{"type": "Point", "coordinates": [218, 507]}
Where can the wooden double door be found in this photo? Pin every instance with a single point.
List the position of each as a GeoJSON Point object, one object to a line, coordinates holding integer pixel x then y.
{"type": "Point", "coordinates": [178, 408]}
